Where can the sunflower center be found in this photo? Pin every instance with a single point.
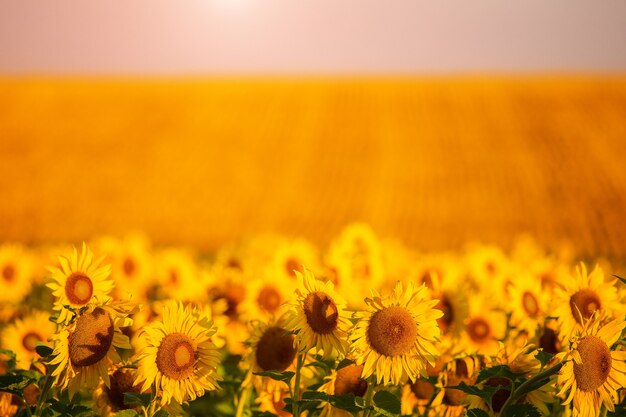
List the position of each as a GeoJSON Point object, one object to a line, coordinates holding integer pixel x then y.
{"type": "Point", "coordinates": [392, 331]}
{"type": "Point", "coordinates": [8, 273]}
{"type": "Point", "coordinates": [30, 340]}
{"type": "Point", "coordinates": [321, 312]}
{"type": "Point", "coordinates": [422, 389]}
{"type": "Point", "coordinates": [454, 396]}
{"type": "Point", "coordinates": [596, 363]}
{"type": "Point", "coordinates": [175, 356]}
{"type": "Point", "coordinates": [293, 265]}
{"type": "Point", "coordinates": [129, 267]}
{"type": "Point", "coordinates": [91, 339]}
{"type": "Point", "coordinates": [234, 295]}
{"type": "Point", "coordinates": [349, 380]}
{"type": "Point", "coordinates": [121, 381]}
{"type": "Point", "coordinates": [530, 304]}
{"type": "Point", "coordinates": [275, 351]}
{"type": "Point", "coordinates": [584, 303]}
{"type": "Point", "coordinates": [78, 288]}
{"type": "Point", "coordinates": [549, 341]}
{"type": "Point", "coordinates": [447, 319]}
{"type": "Point", "coordinates": [478, 330]}
{"type": "Point", "coordinates": [269, 299]}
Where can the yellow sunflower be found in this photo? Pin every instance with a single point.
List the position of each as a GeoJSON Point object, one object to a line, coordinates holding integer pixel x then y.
{"type": "Point", "coordinates": [346, 380]}
{"type": "Point", "coordinates": [79, 282]}
{"type": "Point", "coordinates": [419, 394]}
{"type": "Point", "coordinates": [25, 334]}
{"type": "Point", "coordinates": [16, 267]}
{"type": "Point", "coordinates": [528, 304]}
{"type": "Point", "coordinates": [583, 296]}
{"type": "Point", "coordinates": [86, 349]}
{"type": "Point", "coordinates": [484, 327]}
{"type": "Point", "coordinates": [7, 406]}
{"type": "Point", "coordinates": [318, 316]}
{"type": "Point", "coordinates": [592, 372]}
{"type": "Point", "coordinates": [179, 358]}
{"type": "Point", "coordinates": [394, 337]}
{"type": "Point", "coordinates": [110, 399]}
{"type": "Point", "coordinates": [178, 276]}
{"type": "Point", "coordinates": [131, 263]}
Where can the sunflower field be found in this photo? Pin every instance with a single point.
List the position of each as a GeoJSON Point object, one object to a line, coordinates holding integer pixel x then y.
{"type": "Point", "coordinates": [275, 326]}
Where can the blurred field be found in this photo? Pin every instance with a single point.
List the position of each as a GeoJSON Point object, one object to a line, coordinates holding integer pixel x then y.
{"type": "Point", "coordinates": [435, 162]}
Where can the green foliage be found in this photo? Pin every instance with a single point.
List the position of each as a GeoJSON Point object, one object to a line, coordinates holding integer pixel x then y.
{"type": "Point", "coordinates": [498, 371]}
{"type": "Point", "coordinates": [386, 403]}
{"type": "Point", "coordinates": [133, 399]}
{"type": "Point", "coordinates": [17, 380]}
{"type": "Point", "coordinates": [476, 412]}
{"type": "Point", "coordinates": [285, 377]}
{"type": "Point", "coordinates": [520, 410]}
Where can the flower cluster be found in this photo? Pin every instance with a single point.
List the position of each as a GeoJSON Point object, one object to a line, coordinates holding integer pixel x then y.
{"type": "Point", "coordinates": [276, 326]}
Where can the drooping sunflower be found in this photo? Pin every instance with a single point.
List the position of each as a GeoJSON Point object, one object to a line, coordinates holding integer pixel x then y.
{"type": "Point", "coordinates": [25, 334]}
{"type": "Point", "coordinates": [394, 337]}
{"type": "Point", "coordinates": [318, 316]}
{"type": "Point", "coordinates": [110, 399]}
{"type": "Point", "coordinates": [179, 358]}
{"type": "Point", "coordinates": [86, 349]}
{"type": "Point", "coordinates": [592, 372]}
{"type": "Point", "coordinates": [271, 347]}
{"type": "Point", "coordinates": [79, 282]}
{"type": "Point", "coordinates": [346, 380]}
{"type": "Point", "coordinates": [16, 267]}
{"type": "Point", "coordinates": [583, 296]}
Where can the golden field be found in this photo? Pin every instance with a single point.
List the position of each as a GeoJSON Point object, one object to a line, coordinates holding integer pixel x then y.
{"type": "Point", "coordinates": [313, 247]}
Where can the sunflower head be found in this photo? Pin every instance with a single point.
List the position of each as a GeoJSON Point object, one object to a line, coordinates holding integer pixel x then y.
{"type": "Point", "coordinates": [318, 315]}
{"type": "Point", "coordinates": [178, 357]}
{"type": "Point", "coordinates": [394, 337]}
{"type": "Point", "coordinates": [79, 282]}
{"type": "Point", "coordinates": [592, 372]}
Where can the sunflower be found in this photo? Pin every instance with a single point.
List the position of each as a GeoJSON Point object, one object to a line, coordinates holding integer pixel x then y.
{"type": "Point", "coordinates": [318, 316]}
{"type": "Point", "coordinates": [422, 392]}
{"type": "Point", "coordinates": [271, 347]}
{"type": "Point", "coordinates": [110, 399]}
{"type": "Point", "coordinates": [79, 282]}
{"type": "Point", "coordinates": [7, 406]}
{"type": "Point", "coordinates": [356, 261]}
{"type": "Point", "coordinates": [346, 380]}
{"type": "Point", "coordinates": [450, 290]}
{"type": "Point", "coordinates": [86, 349]}
{"type": "Point", "coordinates": [484, 327]}
{"type": "Point", "coordinates": [179, 357]}
{"type": "Point", "coordinates": [520, 359]}
{"type": "Point", "coordinates": [592, 372]}
{"type": "Point", "coordinates": [394, 337]}
{"type": "Point", "coordinates": [25, 334]}
{"type": "Point", "coordinates": [273, 400]}
{"type": "Point", "coordinates": [16, 267]}
{"type": "Point", "coordinates": [583, 296]}
{"type": "Point", "coordinates": [528, 304]}
{"type": "Point", "coordinates": [177, 275]}
{"type": "Point", "coordinates": [131, 264]}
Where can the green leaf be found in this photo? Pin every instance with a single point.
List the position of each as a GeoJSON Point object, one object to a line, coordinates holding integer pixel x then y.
{"type": "Point", "coordinates": [476, 412]}
{"type": "Point", "coordinates": [257, 413]}
{"type": "Point", "coordinates": [15, 381]}
{"type": "Point", "coordinates": [161, 413]}
{"type": "Point", "coordinates": [43, 350]}
{"type": "Point", "coordinates": [521, 410]}
{"type": "Point", "coordinates": [277, 376]}
{"type": "Point", "coordinates": [386, 403]}
{"type": "Point", "coordinates": [11, 361]}
{"type": "Point", "coordinates": [126, 413]}
{"type": "Point", "coordinates": [499, 371]}
{"type": "Point", "coordinates": [543, 357]}
{"type": "Point", "coordinates": [133, 399]}
{"type": "Point", "coordinates": [344, 363]}
{"type": "Point", "coordinates": [348, 402]}
{"type": "Point", "coordinates": [321, 365]}
{"type": "Point", "coordinates": [484, 393]}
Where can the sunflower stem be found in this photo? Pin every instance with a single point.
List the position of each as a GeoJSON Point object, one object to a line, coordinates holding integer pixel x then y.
{"type": "Point", "coordinates": [368, 398]}
{"type": "Point", "coordinates": [515, 395]}
{"type": "Point", "coordinates": [296, 388]}
{"type": "Point", "coordinates": [243, 399]}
